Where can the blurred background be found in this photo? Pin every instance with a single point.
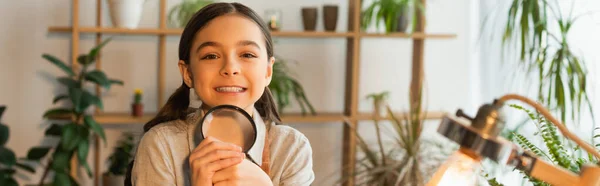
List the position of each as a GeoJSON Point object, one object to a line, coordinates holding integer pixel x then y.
{"type": "Point", "coordinates": [468, 53]}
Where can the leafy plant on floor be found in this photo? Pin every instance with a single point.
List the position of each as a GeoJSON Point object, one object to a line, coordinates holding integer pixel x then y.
{"type": "Point", "coordinates": [555, 150]}
{"type": "Point", "coordinates": [8, 160]}
{"type": "Point", "coordinates": [283, 85]}
{"type": "Point", "coordinates": [75, 134]}
{"type": "Point", "coordinates": [121, 155]}
{"type": "Point", "coordinates": [181, 13]}
{"type": "Point", "coordinates": [408, 160]}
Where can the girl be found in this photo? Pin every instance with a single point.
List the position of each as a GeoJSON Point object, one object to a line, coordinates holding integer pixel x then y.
{"type": "Point", "coordinates": [225, 57]}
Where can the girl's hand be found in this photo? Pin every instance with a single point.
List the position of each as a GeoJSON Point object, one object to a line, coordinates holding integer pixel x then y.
{"type": "Point", "coordinates": [210, 156]}
{"type": "Point", "coordinates": [245, 173]}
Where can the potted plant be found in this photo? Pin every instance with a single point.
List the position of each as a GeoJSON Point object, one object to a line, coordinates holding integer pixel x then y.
{"type": "Point", "coordinates": [137, 107]}
{"type": "Point", "coordinates": [408, 160]}
{"type": "Point", "coordinates": [72, 123]}
{"type": "Point", "coordinates": [8, 160]}
{"type": "Point", "coordinates": [118, 161]}
{"type": "Point", "coordinates": [554, 147]}
{"type": "Point", "coordinates": [283, 85]}
{"type": "Point", "coordinates": [396, 14]}
{"type": "Point", "coordinates": [561, 79]}
{"type": "Point", "coordinates": [181, 13]}
{"type": "Point", "coordinates": [126, 13]}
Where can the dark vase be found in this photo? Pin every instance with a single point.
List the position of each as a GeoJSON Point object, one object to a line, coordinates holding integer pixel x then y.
{"type": "Point", "coordinates": [309, 18]}
{"type": "Point", "coordinates": [403, 19]}
{"type": "Point", "coordinates": [137, 110]}
{"type": "Point", "coordinates": [330, 17]}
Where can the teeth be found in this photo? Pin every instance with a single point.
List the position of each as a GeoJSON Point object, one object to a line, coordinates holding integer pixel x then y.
{"type": "Point", "coordinates": [230, 89]}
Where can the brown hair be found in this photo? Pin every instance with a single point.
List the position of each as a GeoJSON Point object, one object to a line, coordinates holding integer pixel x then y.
{"type": "Point", "coordinates": [177, 105]}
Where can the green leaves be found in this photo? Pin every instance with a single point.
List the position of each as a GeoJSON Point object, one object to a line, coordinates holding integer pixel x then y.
{"type": "Point", "coordinates": [60, 161]}
{"type": "Point", "coordinates": [7, 156]}
{"type": "Point", "coordinates": [54, 130]}
{"type": "Point", "coordinates": [282, 85]}
{"type": "Point", "coordinates": [59, 64]}
{"type": "Point", "coordinates": [181, 13]}
{"type": "Point", "coordinates": [99, 78]}
{"type": "Point", "coordinates": [4, 133]}
{"type": "Point", "coordinates": [25, 167]}
{"type": "Point", "coordinates": [2, 109]}
{"type": "Point", "coordinates": [62, 179]}
{"type": "Point", "coordinates": [69, 82]}
{"type": "Point", "coordinates": [70, 136]}
{"type": "Point", "coordinates": [37, 153]}
{"type": "Point", "coordinates": [58, 98]}
{"type": "Point", "coordinates": [8, 181]}
{"type": "Point", "coordinates": [82, 99]}
{"type": "Point", "coordinates": [89, 121]}
{"type": "Point", "coordinates": [55, 112]}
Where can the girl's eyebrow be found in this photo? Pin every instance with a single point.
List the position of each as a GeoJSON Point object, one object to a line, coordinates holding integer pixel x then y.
{"type": "Point", "coordinates": [247, 43]}
{"type": "Point", "coordinates": [205, 44]}
{"type": "Point", "coordinates": [215, 44]}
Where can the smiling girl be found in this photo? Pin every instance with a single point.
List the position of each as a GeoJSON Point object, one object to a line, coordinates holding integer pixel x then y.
{"type": "Point", "coordinates": [225, 57]}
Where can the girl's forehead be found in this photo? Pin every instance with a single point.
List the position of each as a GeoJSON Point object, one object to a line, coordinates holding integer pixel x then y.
{"type": "Point", "coordinates": [230, 29]}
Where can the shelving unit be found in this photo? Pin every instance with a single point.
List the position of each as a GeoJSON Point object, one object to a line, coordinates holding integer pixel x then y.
{"type": "Point", "coordinates": [350, 115]}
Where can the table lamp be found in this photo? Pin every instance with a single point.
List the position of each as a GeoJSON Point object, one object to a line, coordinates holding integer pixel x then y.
{"type": "Point", "coordinates": [478, 139]}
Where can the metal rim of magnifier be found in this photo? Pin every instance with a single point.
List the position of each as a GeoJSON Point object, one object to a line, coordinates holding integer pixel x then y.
{"type": "Point", "coordinates": [236, 109]}
{"type": "Point", "coordinates": [492, 147]}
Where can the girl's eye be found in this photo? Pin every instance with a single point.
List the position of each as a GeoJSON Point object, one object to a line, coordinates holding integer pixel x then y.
{"type": "Point", "coordinates": [210, 56]}
{"type": "Point", "coordinates": [248, 55]}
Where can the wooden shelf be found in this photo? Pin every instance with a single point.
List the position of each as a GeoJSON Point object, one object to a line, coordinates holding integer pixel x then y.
{"type": "Point", "coordinates": [401, 116]}
{"type": "Point", "coordinates": [154, 31]}
{"type": "Point", "coordinates": [299, 34]}
{"type": "Point", "coordinates": [408, 35]}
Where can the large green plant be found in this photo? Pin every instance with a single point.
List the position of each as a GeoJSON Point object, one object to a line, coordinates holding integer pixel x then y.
{"type": "Point", "coordinates": [181, 13]}
{"type": "Point", "coordinates": [389, 11]}
{"type": "Point", "coordinates": [408, 160]}
{"type": "Point", "coordinates": [121, 155]}
{"type": "Point", "coordinates": [555, 147]}
{"type": "Point", "coordinates": [283, 85]}
{"type": "Point", "coordinates": [546, 51]}
{"type": "Point", "coordinates": [75, 134]}
{"type": "Point", "coordinates": [8, 160]}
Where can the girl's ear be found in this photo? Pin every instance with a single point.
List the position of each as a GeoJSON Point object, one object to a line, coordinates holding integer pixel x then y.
{"type": "Point", "coordinates": [269, 75]}
{"type": "Point", "coordinates": [185, 73]}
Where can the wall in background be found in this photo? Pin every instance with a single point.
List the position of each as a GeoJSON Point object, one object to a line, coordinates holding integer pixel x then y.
{"type": "Point", "coordinates": [28, 84]}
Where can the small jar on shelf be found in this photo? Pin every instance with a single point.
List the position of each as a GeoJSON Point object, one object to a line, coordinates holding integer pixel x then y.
{"type": "Point", "coordinates": [273, 19]}
{"type": "Point", "coordinates": [137, 107]}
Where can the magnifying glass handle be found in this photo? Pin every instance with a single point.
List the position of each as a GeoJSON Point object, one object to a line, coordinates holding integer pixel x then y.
{"type": "Point", "coordinates": [250, 158]}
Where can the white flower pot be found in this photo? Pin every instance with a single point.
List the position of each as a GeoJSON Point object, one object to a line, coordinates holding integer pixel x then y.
{"type": "Point", "coordinates": [112, 180]}
{"type": "Point", "coordinates": [126, 13]}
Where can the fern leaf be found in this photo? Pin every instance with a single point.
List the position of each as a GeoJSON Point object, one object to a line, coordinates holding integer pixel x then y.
{"type": "Point", "coordinates": [555, 146]}
{"type": "Point", "coordinates": [527, 145]}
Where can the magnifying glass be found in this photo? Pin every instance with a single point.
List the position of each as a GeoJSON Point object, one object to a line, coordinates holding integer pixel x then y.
{"type": "Point", "coordinates": [228, 123]}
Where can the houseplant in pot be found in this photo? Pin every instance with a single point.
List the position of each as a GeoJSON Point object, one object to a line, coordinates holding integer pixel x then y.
{"type": "Point", "coordinates": [181, 13]}
{"type": "Point", "coordinates": [126, 13]}
{"type": "Point", "coordinates": [8, 160]}
{"type": "Point", "coordinates": [395, 14]}
{"type": "Point", "coordinates": [72, 122]}
{"type": "Point", "coordinates": [118, 161]}
{"type": "Point", "coordinates": [137, 107]}
{"type": "Point", "coordinates": [408, 159]}
{"type": "Point", "coordinates": [283, 84]}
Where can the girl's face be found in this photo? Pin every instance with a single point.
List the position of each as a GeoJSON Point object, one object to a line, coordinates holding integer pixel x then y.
{"type": "Point", "coordinates": [229, 63]}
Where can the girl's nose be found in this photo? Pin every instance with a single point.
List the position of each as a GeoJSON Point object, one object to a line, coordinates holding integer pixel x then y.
{"type": "Point", "coordinates": [230, 68]}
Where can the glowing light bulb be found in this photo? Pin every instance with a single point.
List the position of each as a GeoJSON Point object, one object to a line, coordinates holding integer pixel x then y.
{"type": "Point", "coordinates": [459, 169]}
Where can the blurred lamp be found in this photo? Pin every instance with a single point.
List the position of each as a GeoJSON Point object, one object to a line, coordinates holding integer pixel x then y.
{"type": "Point", "coordinates": [478, 139]}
